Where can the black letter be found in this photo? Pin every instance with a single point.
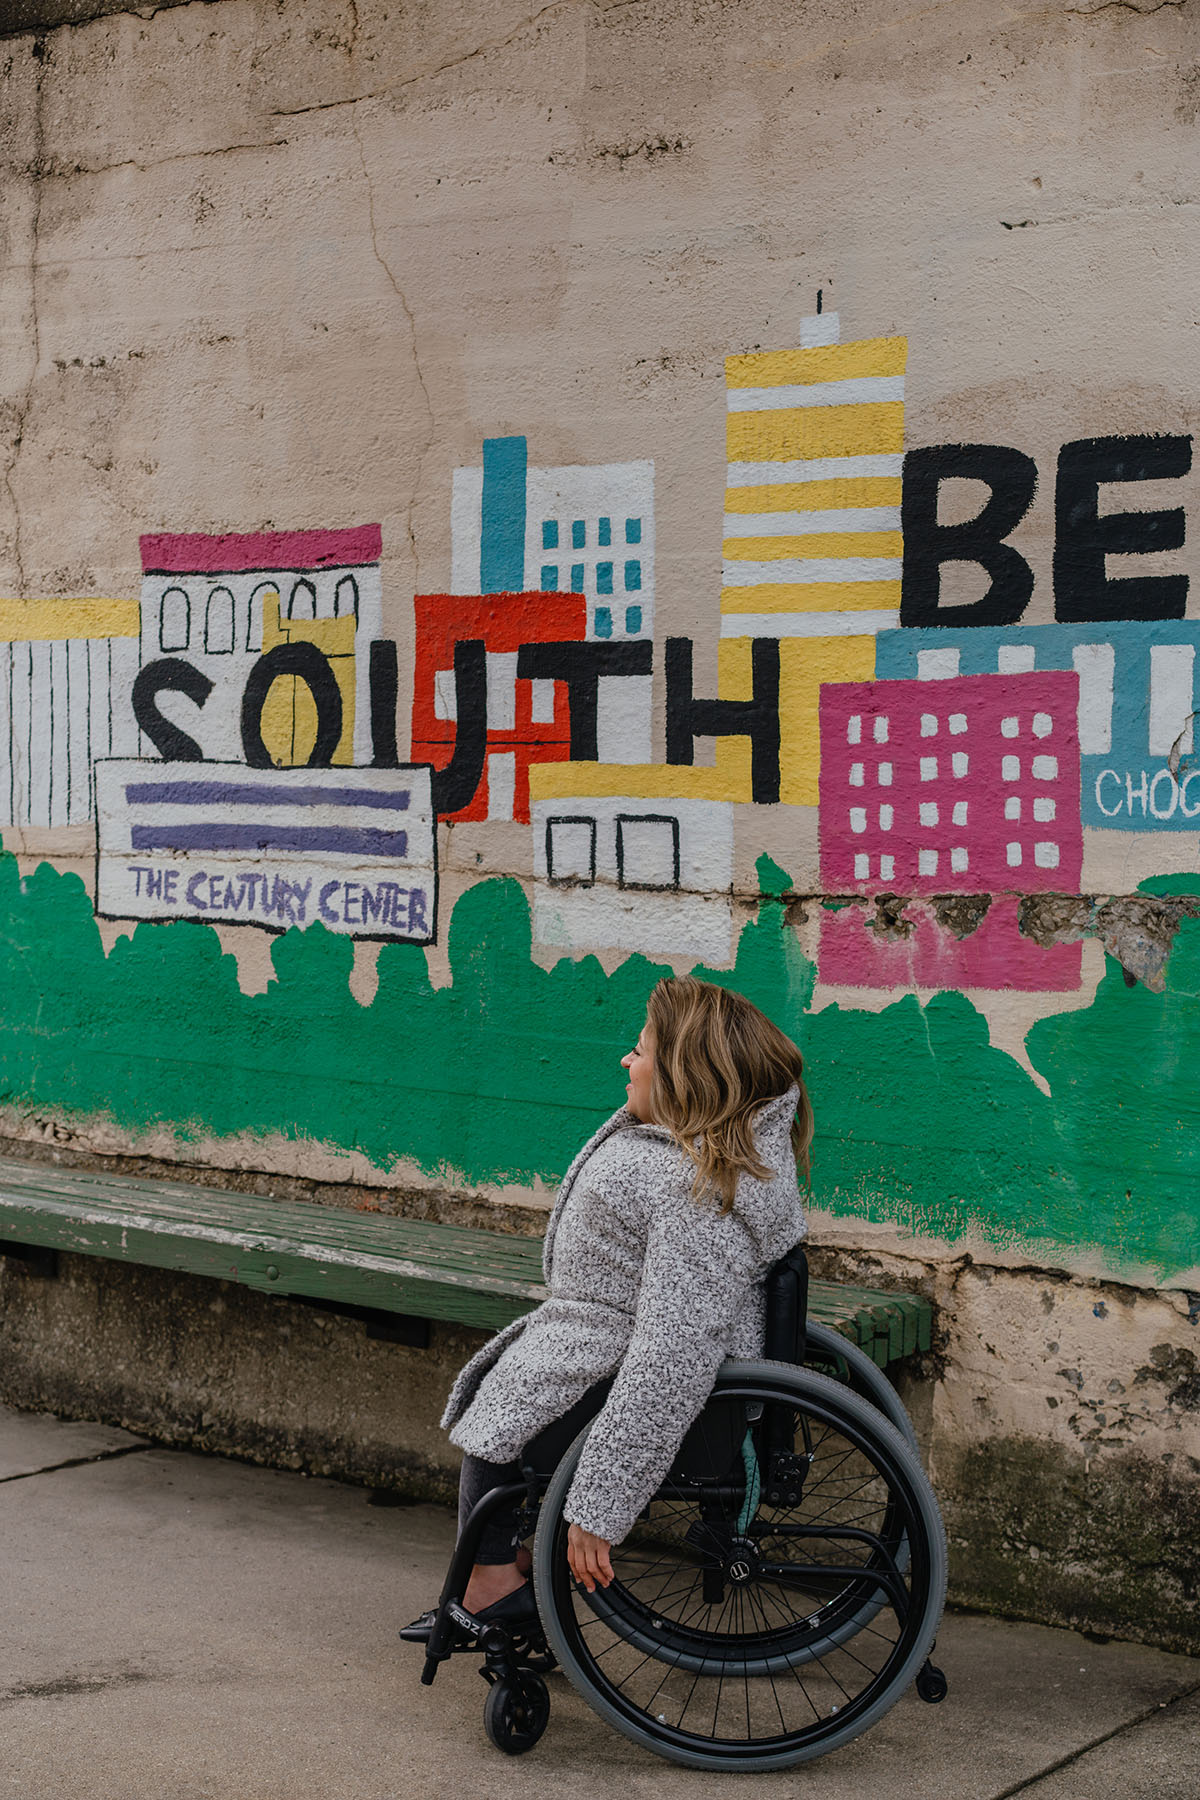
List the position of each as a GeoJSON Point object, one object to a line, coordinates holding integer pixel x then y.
{"type": "Point", "coordinates": [385, 685]}
{"type": "Point", "coordinates": [453, 787]}
{"type": "Point", "coordinates": [581, 666]}
{"type": "Point", "coordinates": [756, 718]}
{"type": "Point", "coordinates": [306, 662]}
{"type": "Point", "coordinates": [1083, 539]}
{"type": "Point", "coordinates": [1012, 477]}
{"type": "Point", "coordinates": [170, 674]}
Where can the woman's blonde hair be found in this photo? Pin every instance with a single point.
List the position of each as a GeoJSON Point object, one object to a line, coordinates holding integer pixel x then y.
{"type": "Point", "coordinates": [717, 1060]}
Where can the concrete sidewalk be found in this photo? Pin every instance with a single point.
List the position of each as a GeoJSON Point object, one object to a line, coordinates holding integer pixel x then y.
{"type": "Point", "coordinates": [182, 1628]}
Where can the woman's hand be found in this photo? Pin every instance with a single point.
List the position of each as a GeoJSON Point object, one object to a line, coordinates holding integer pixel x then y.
{"type": "Point", "coordinates": [588, 1557]}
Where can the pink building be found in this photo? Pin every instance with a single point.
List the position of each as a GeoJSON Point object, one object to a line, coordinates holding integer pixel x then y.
{"type": "Point", "coordinates": [963, 786]}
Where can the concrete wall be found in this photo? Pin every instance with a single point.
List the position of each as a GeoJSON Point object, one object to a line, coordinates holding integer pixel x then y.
{"type": "Point", "coordinates": [620, 487]}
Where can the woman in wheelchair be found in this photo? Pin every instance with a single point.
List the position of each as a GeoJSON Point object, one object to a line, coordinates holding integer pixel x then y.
{"type": "Point", "coordinates": [738, 1561]}
{"type": "Point", "coordinates": [664, 1228]}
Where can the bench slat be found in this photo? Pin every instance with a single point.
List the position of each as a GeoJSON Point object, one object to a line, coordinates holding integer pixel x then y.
{"type": "Point", "coordinates": [457, 1273]}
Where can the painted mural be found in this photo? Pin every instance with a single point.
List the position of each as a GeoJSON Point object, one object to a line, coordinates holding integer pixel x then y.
{"type": "Point", "coordinates": [234, 735]}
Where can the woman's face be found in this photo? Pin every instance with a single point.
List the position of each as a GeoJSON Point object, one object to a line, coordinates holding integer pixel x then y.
{"type": "Point", "coordinates": [640, 1064]}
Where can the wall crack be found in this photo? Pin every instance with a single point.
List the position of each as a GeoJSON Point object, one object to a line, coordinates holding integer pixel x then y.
{"type": "Point", "coordinates": [59, 171]}
{"type": "Point", "coordinates": [1143, 12]}
{"type": "Point", "coordinates": [431, 427]}
{"type": "Point", "coordinates": [454, 62]}
{"type": "Point", "coordinates": [25, 404]}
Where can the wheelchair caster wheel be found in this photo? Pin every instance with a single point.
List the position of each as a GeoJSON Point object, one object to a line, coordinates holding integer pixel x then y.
{"type": "Point", "coordinates": [516, 1713]}
{"type": "Point", "coordinates": [932, 1685]}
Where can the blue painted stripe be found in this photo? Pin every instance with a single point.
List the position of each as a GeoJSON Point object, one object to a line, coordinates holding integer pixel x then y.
{"type": "Point", "coordinates": [345, 840]}
{"type": "Point", "coordinates": [502, 516]}
{"type": "Point", "coordinates": [233, 793]}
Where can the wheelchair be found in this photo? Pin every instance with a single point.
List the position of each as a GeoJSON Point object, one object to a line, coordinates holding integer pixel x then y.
{"type": "Point", "coordinates": [777, 1596]}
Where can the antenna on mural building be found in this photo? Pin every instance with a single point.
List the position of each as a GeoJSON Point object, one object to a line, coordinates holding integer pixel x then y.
{"type": "Point", "coordinates": [819, 329]}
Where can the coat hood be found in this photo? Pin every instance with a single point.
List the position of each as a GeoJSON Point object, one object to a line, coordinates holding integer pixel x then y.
{"type": "Point", "coordinates": [772, 1210]}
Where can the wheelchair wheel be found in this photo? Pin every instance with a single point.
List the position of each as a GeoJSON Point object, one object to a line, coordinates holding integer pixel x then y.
{"type": "Point", "coordinates": [516, 1712]}
{"type": "Point", "coordinates": [749, 1632]}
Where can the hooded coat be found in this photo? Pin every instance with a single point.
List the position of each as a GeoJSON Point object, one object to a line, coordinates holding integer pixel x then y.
{"type": "Point", "coordinates": [646, 1282]}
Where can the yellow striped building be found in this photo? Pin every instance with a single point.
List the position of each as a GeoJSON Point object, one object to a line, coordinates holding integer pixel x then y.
{"type": "Point", "coordinates": [812, 545]}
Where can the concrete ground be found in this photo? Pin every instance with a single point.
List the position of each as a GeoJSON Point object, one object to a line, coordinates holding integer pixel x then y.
{"type": "Point", "coordinates": [182, 1628]}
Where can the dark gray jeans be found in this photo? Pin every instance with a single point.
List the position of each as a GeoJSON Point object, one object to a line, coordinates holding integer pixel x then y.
{"type": "Point", "coordinates": [499, 1541]}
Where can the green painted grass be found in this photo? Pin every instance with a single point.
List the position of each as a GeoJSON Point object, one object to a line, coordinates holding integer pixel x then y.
{"type": "Point", "coordinates": [500, 1075]}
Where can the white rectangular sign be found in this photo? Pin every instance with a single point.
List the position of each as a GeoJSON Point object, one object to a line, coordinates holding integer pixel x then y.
{"type": "Point", "coordinates": [353, 848]}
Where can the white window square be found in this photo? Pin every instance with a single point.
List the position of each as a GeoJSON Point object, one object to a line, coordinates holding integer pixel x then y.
{"type": "Point", "coordinates": [937, 665]}
{"type": "Point", "coordinates": [929, 812]}
{"type": "Point", "coordinates": [881, 730]}
{"type": "Point", "coordinates": [854, 729]}
{"type": "Point", "coordinates": [1043, 809]}
{"type": "Point", "coordinates": [541, 701]}
{"type": "Point", "coordinates": [958, 860]}
{"type": "Point", "coordinates": [887, 867]}
{"type": "Point", "coordinates": [958, 723]}
{"type": "Point", "coordinates": [174, 620]}
{"type": "Point", "coordinates": [571, 849]}
{"type": "Point", "coordinates": [858, 818]}
{"type": "Point", "coordinates": [928, 725]}
{"type": "Point", "coordinates": [1045, 768]}
{"type": "Point", "coordinates": [960, 762]}
{"type": "Point", "coordinates": [647, 850]}
{"type": "Point", "coordinates": [1010, 768]}
{"type": "Point", "coordinates": [1009, 727]}
{"type": "Point", "coordinates": [886, 815]}
{"type": "Point", "coordinates": [1012, 807]}
{"type": "Point", "coordinates": [1046, 856]}
{"type": "Point", "coordinates": [927, 861]}
{"type": "Point", "coordinates": [445, 696]}
{"type": "Point", "coordinates": [929, 768]}
{"type": "Point", "coordinates": [960, 812]}
{"type": "Point", "coordinates": [1043, 724]}
{"type": "Point", "coordinates": [884, 774]}
{"type": "Point", "coordinates": [1012, 854]}
{"type": "Point", "coordinates": [856, 774]}
{"type": "Point", "coordinates": [862, 868]}
{"type": "Point", "coordinates": [1016, 659]}
{"type": "Point", "coordinates": [502, 690]}
{"type": "Point", "coordinates": [501, 784]}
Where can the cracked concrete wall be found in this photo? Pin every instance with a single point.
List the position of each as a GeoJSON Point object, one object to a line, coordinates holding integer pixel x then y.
{"type": "Point", "coordinates": [278, 269]}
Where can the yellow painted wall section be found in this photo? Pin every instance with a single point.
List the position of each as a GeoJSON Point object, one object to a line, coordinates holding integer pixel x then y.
{"type": "Point", "coordinates": [637, 781]}
{"type": "Point", "coordinates": [814, 545]}
{"type": "Point", "coordinates": [805, 666]}
{"type": "Point", "coordinates": [832, 362]}
{"type": "Point", "coordinates": [812, 596]}
{"type": "Point", "coordinates": [815, 496]}
{"type": "Point", "coordinates": [289, 716]}
{"type": "Point", "coordinates": [871, 428]}
{"type": "Point", "coordinates": [42, 621]}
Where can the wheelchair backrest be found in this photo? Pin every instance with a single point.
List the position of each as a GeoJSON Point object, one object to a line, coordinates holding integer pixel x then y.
{"type": "Point", "coordinates": [787, 1307]}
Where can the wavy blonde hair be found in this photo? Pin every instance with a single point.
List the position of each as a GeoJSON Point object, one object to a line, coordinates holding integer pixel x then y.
{"type": "Point", "coordinates": [717, 1061]}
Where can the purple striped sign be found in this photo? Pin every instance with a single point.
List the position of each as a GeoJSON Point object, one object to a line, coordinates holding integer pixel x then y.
{"type": "Point", "coordinates": [352, 849]}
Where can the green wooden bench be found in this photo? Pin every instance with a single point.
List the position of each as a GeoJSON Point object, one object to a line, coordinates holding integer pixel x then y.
{"type": "Point", "coordinates": [368, 1264]}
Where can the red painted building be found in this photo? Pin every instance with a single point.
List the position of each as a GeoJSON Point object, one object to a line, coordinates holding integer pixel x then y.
{"type": "Point", "coordinates": [527, 721]}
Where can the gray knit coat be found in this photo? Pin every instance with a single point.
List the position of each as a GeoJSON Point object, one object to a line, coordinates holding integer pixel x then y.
{"type": "Point", "coordinates": [647, 1281]}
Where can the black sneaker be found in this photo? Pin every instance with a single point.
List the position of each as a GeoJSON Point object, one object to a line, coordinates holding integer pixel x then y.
{"type": "Point", "coordinates": [515, 1609]}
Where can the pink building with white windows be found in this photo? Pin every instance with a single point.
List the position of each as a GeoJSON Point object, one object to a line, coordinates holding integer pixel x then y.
{"type": "Point", "coordinates": [962, 786]}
